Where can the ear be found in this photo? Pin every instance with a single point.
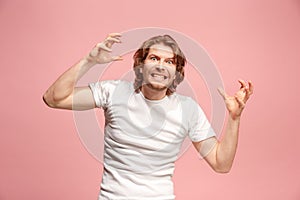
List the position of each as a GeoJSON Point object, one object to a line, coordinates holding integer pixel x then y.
{"type": "Point", "coordinates": [177, 74]}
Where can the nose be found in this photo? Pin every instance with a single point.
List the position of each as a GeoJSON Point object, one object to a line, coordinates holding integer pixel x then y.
{"type": "Point", "coordinates": [160, 66]}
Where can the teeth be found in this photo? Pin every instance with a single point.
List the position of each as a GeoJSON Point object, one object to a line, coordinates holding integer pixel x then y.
{"type": "Point", "coordinates": [159, 76]}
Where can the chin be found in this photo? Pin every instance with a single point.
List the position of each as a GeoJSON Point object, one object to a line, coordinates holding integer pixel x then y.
{"type": "Point", "coordinates": [157, 86]}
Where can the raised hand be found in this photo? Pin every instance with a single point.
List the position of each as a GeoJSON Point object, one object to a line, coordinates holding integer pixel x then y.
{"type": "Point", "coordinates": [235, 104]}
{"type": "Point", "coordinates": [101, 53]}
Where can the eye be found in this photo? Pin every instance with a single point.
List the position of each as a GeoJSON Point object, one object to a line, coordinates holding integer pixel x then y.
{"type": "Point", "coordinates": [170, 62]}
{"type": "Point", "coordinates": [153, 58]}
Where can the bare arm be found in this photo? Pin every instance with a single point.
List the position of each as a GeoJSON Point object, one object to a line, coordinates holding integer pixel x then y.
{"type": "Point", "coordinates": [220, 154]}
{"type": "Point", "coordinates": [64, 95]}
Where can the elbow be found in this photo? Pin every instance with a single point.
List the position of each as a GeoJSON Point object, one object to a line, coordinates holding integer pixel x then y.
{"type": "Point", "coordinates": [222, 169]}
{"type": "Point", "coordinates": [49, 100]}
{"type": "Point", "coordinates": [52, 101]}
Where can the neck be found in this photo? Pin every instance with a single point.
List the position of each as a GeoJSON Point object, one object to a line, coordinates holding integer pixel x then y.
{"type": "Point", "coordinates": [153, 94]}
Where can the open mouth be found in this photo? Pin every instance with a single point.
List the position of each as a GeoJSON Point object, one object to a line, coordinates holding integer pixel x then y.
{"type": "Point", "coordinates": [159, 76]}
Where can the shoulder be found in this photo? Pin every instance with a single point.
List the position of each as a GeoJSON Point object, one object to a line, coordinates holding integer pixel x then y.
{"type": "Point", "coordinates": [105, 91]}
{"type": "Point", "coordinates": [184, 100]}
{"type": "Point", "coordinates": [189, 106]}
{"type": "Point", "coordinates": [110, 85]}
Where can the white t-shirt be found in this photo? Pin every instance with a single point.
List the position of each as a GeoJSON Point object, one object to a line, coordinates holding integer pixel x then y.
{"type": "Point", "coordinates": [143, 138]}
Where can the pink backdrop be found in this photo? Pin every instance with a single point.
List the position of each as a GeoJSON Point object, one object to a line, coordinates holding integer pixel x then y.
{"type": "Point", "coordinates": [41, 154]}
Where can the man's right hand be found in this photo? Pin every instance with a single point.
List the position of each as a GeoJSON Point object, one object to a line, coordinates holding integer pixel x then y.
{"type": "Point", "coordinates": [64, 94]}
{"type": "Point", "coordinates": [101, 53]}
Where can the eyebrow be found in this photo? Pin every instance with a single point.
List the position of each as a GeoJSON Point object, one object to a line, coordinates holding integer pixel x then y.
{"type": "Point", "coordinates": [152, 54]}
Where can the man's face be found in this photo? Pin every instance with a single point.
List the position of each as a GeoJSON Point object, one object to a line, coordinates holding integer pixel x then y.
{"type": "Point", "coordinates": [159, 67]}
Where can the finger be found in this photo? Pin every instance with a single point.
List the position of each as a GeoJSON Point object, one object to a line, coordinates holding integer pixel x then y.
{"type": "Point", "coordinates": [243, 83]}
{"type": "Point", "coordinates": [103, 46]}
{"type": "Point", "coordinates": [248, 91]}
{"type": "Point", "coordinates": [114, 35]}
{"type": "Point", "coordinates": [240, 102]}
{"type": "Point", "coordinates": [222, 93]}
{"type": "Point", "coordinates": [112, 39]}
{"type": "Point", "coordinates": [251, 87]}
{"type": "Point", "coordinates": [247, 94]}
{"type": "Point", "coordinates": [117, 58]}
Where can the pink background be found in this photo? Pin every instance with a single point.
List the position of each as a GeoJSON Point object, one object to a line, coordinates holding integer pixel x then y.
{"type": "Point", "coordinates": [41, 154]}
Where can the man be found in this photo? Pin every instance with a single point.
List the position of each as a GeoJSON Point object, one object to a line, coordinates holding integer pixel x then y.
{"type": "Point", "coordinates": [146, 121]}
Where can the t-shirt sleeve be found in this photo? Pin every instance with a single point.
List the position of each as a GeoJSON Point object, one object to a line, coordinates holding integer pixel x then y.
{"type": "Point", "coordinates": [199, 126]}
{"type": "Point", "coordinates": [102, 92]}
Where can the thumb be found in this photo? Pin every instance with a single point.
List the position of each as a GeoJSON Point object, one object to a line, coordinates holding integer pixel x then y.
{"type": "Point", "coordinates": [222, 92]}
{"type": "Point", "coordinates": [117, 58]}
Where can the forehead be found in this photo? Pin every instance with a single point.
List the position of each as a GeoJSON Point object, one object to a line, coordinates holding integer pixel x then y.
{"type": "Point", "coordinates": [161, 50]}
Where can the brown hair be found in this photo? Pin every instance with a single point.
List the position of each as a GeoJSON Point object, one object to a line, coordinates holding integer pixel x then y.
{"type": "Point", "coordinates": [141, 54]}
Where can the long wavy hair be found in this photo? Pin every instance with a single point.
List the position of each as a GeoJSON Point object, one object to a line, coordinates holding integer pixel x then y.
{"type": "Point", "coordinates": [141, 54]}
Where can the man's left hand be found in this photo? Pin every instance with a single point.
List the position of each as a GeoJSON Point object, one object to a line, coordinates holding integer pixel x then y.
{"type": "Point", "coordinates": [235, 104]}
